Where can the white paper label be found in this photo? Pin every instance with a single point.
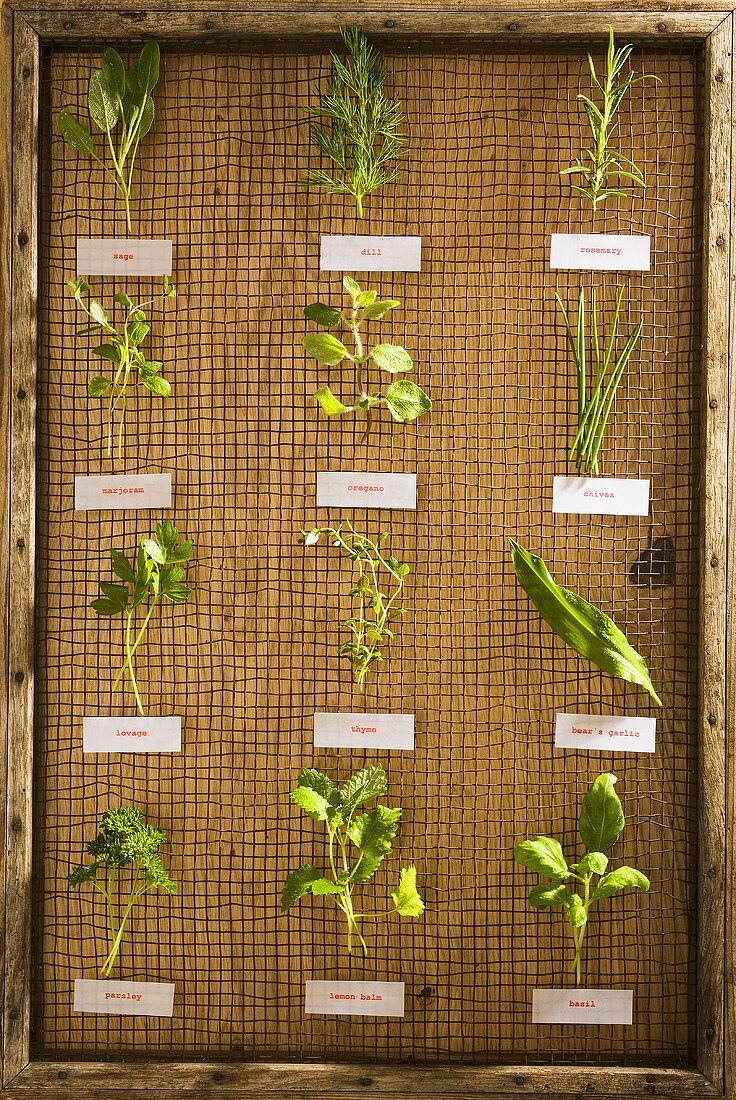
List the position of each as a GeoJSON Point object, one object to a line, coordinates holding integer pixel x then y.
{"type": "Point", "coordinates": [105, 256]}
{"type": "Point", "coordinates": [582, 1006]}
{"type": "Point", "coordinates": [132, 734]}
{"type": "Point", "coordinates": [370, 254]}
{"type": "Point", "coordinates": [601, 496]}
{"type": "Point", "coordinates": [599, 252]}
{"type": "Point", "coordinates": [612, 734]}
{"type": "Point", "coordinates": [359, 490]}
{"type": "Point", "coordinates": [122, 491]}
{"type": "Point", "coordinates": [124, 998]}
{"type": "Point", "coordinates": [354, 999]}
{"type": "Point", "coordinates": [364, 731]}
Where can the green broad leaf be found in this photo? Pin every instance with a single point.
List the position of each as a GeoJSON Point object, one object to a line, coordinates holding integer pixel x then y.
{"type": "Point", "coordinates": [392, 358]}
{"type": "Point", "coordinates": [297, 885]}
{"type": "Point", "coordinates": [406, 401]}
{"type": "Point", "coordinates": [147, 67]}
{"type": "Point", "coordinates": [176, 591]}
{"type": "Point", "coordinates": [87, 330]}
{"type": "Point", "coordinates": [322, 886]}
{"type": "Point", "coordinates": [74, 133]}
{"type": "Point", "coordinates": [98, 314]}
{"type": "Point", "coordinates": [147, 118]}
{"type": "Point", "coordinates": [544, 896]}
{"type": "Point", "coordinates": [377, 310]}
{"type": "Point", "coordinates": [154, 551]}
{"type": "Point", "coordinates": [156, 385]}
{"type": "Point", "coordinates": [317, 795]}
{"type": "Point", "coordinates": [595, 862]}
{"type": "Point", "coordinates": [105, 607]}
{"type": "Point", "coordinates": [137, 331]}
{"type": "Point", "coordinates": [601, 815]}
{"type": "Point", "coordinates": [620, 879]}
{"type": "Point", "coordinates": [373, 834]}
{"type": "Point", "coordinates": [122, 299]}
{"type": "Point", "coordinates": [325, 348]}
{"type": "Point", "coordinates": [544, 855]}
{"type": "Point", "coordinates": [122, 567]}
{"type": "Point", "coordinates": [311, 538]}
{"type": "Point", "coordinates": [368, 783]}
{"type": "Point", "coordinates": [98, 385]}
{"type": "Point", "coordinates": [351, 286]}
{"type": "Point", "coordinates": [406, 897]}
{"type": "Point", "coordinates": [107, 351]}
{"type": "Point", "coordinates": [323, 314]}
{"type": "Point", "coordinates": [113, 72]}
{"type": "Point", "coordinates": [150, 366]}
{"type": "Point", "coordinates": [582, 625]}
{"type": "Point", "coordinates": [576, 911]}
{"type": "Point", "coordinates": [329, 403]}
{"type": "Point", "coordinates": [167, 537]}
{"type": "Point", "coordinates": [312, 802]}
{"type": "Point", "coordinates": [366, 298]}
{"type": "Point", "coordinates": [103, 107]}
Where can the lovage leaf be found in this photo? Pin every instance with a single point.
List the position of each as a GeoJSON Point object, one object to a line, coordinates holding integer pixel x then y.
{"type": "Point", "coordinates": [620, 879]}
{"type": "Point", "coordinates": [122, 567]}
{"type": "Point", "coordinates": [368, 783]}
{"type": "Point", "coordinates": [297, 885]}
{"type": "Point", "coordinates": [601, 815]}
{"type": "Point", "coordinates": [406, 897]}
{"type": "Point", "coordinates": [582, 625]}
{"type": "Point", "coordinates": [325, 348]}
{"type": "Point", "coordinates": [373, 833]}
{"type": "Point", "coordinates": [406, 401]}
{"type": "Point", "coordinates": [544, 855]}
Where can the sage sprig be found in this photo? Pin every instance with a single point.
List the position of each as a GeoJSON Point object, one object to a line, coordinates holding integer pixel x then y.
{"type": "Point", "coordinates": [121, 348]}
{"type": "Point", "coordinates": [607, 369]}
{"type": "Point", "coordinates": [404, 399]}
{"type": "Point", "coordinates": [604, 169]}
{"type": "Point", "coordinates": [355, 125]}
{"type": "Point", "coordinates": [356, 847]}
{"type": "Point", "coordinates": [117, 98]}
{"type": "Point", "coordinates": [573, 885]}
{"type": "Point", "coordinates": [378, 586]}
{"type": "Point", "coordinates": [582, 625]}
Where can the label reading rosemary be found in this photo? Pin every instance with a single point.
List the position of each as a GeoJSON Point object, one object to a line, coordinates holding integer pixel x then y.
{"type": "Point", "coordinates": [370, 254]}
{"type": "Point", "coordinates": [353, 489]}
{"type": "Point", "coordinates": [601, 496]}
{"type": "Point", "coordinates": [122, 491]}
{"type": "Point", "coordinates": [124, 998]}
{"type": "Point", "coordinates": [132, 734]}
{"type": "Point", "coordinates": [599, 252]}
{"type": "Point", "coordinates": [354, 998]}
{"type": "Point", "coordinates": [582, 1006]}
{"type": "Point", "coordinates": [609, 733]}
{"type": "Point", "coordinates": [364, 731]}
{"type": "Point", "coordinates": [108, 256]}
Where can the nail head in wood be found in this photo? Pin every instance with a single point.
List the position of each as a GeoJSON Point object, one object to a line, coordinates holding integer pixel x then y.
{"type": "Point", "coordinates": [26, 72]}
{"type": "Point", "coordinates": [712, 404]}
{"type": "Point", "coordinates": [16, 825]}
{"type": "Point", "coordinates": [712, 719]}
{"type": "Point", "coordinates": [710, 1032]}
{"type": "Point", "coordinates": [19, 677]}
{"type": "Point", "coordinates": [218, 1077]}
{"type": "Point", "coordinates": [390, 23]}
{"type": "Point", "coordinates": [366, 1082]}
{"type": "Point", "coordinates": [718, 78]}
{"type": "Point", "coordinates": [714, 561]}
{"type": "Point", "coordinates": [512, 27]}
{"type": "Point", "coordinates": [22, 238]}
{"type": "Point", "coordinates": [661, 27]}
{"type": "Point", "coordinates": [720, 240]}
{"type": "Point", "coordinates": [209, 25]}
{"type": "Point", "coordinates": [67, 24]}
{"type": "Point", "coordinates": [21, 544]}
{"type": "Point", "coordinates": [21, 394]}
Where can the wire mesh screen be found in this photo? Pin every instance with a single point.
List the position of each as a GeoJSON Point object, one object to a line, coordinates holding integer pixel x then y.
{"type": "Point", "coordinates": [254, 654]}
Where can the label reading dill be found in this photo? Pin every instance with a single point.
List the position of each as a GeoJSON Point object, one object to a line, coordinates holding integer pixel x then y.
{"type": "Point", "coordinates": [364, 731]}
{"type": "Point", "coordinates": [122, 491]}
{"type": "Point", "coordinates": [132, 734]}
{"type": "Point", "coordinates": [124, 998]}
{"type": "Point", "coordinates": [582, 1006]}
{"type": "Point", "coordinates": [108, 256]}
{"type": "Point", "coordinates": [599, 252]}
{"type": "Point", "coordinates": [361, 490]}
{"type": "Point", "coordinates": [354, 998]}
{"type": "Point", "coordinates": [605, 733]}
{"type": "Point", "coordinates": [601, 496]}
{"type": "Point", "coordinates": [370, 254]}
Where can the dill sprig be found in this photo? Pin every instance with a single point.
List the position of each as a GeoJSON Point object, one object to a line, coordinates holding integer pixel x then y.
{"type": "Point", "coordinates": [358, 127]}
{"type": "Point", "coordinates": [602, 163]}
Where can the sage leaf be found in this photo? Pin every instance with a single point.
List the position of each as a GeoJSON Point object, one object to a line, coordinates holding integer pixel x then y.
{"type": "Point", "coordinates": [329, 403]}
{"type": "Point", "coordinates": [601, 815]}
{"type": "Point", "coordinates": [297, 885]}
{"type": "Point", "coordinates": [148, 115]}
{"type": "Point", "coordinates": [392, 358]}
{"type": "Point", "coordinates": [406, 401]}
{"type": "Point", "coordinates": [103, 107]}
{"type": "Point", "coordinates": [582, 625]}
{"type": "Point", "coordinates": [406, 897]}
{"type": "Point", "coordinates": [327, 349]}
{"type": "Point", "coordinates": [113, 72]}
{"type": "Point", "coordinates": [323, 314]}
{"type": "Point", "coordinates": [74, 133]}
{"type": "Point", "coordinates": [620, 879]}
{"type": "Point", "coordinates": [544, 855]}
{"type": "Point", "coordinates": [147, 67]}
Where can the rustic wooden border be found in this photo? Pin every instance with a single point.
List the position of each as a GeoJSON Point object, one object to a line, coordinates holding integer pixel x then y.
{"type": "Point", "coordinates": [56, 20]}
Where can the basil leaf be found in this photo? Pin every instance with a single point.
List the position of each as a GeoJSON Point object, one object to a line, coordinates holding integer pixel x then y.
{"type": "Point", "coordinates": [620, 879]}
{"type": "Point", "coordinates": [592, 862]}
{"type": "Point", "coordinates": [544, 896]}
{"type": "Point", "coordinates": [544, 855]}
{"type": "Point", "coordinates": [98, 385]}
{"type": "Point", "coordinates": [575, 910]}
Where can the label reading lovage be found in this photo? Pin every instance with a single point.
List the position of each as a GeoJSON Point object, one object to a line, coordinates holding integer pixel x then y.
{"type": "Point", "coordinates": [354, 998]}
{"type": "Point", "coordinates": [132, 735]}
{"type": "Point", "coordinates": [613, 734]}
{"type": "Point", "coordinates": [582, 1006]}
{"type": "Point", "coordinates": [364, 731]}
{"type": "Point", "coordinates": [599, 252]}
{"type": "Point", "coordinates": [357, 490]}
{"type": "Point", "coordinates": [124, 998]}
{"type": "Point", "coordinates": [106, 256]}
{"type": "Point", "coordinates": [370, 254]}
{"type": "Point", "coordinates": [601, 496]}
{"type": "Point", "coordinates": [123, 491]}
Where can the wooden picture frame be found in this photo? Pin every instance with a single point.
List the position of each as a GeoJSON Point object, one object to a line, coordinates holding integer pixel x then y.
{"type": "Point", "coordinates": [25, 30]}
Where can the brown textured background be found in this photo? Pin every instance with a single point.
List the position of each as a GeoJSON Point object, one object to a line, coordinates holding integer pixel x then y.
{"type": "Point", "coordinates": [253, 655]}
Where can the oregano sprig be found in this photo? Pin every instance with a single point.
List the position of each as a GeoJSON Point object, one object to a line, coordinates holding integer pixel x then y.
{"type": "Point", "coordinates": [404, 399]}
{"type": "Point", "coordinates": [355, 125]}
{"type": "Point", "coordinates": [378, 586]}
{"type": "Point", "coordinates": [357, 845]}
{"type": "Point", "coordinates": [576, 886]}
{"type": "Point", "coordinates": [121, 348]}
{"type": "Point", "coordinates": [157, 572]}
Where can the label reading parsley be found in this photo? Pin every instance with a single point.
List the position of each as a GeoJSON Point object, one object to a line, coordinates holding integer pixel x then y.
{"type": "Point", "coordinates": [124, 998]}
{"type": "Point", "coordinates": [582, 1006]}
{"type": "Point", "coordinates": [354, 998]}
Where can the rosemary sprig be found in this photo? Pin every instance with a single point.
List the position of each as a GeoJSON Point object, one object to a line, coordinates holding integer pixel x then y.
{"type": "Point", "coordinates": [607, 371]}
{"type": "Point", "coordinates": [605, 162]}
{"type": "Point", "coordinates": [355, 125]}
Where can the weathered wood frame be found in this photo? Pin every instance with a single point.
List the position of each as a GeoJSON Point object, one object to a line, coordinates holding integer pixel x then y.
{"type": "Point", "coordinates": [25, 31]}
